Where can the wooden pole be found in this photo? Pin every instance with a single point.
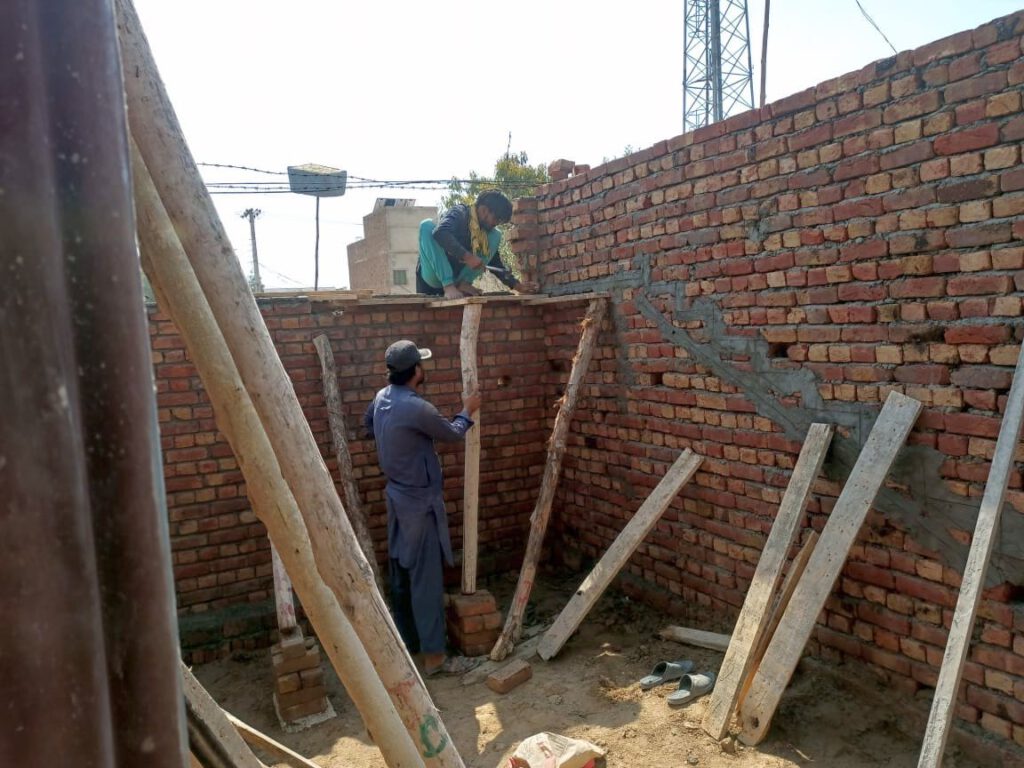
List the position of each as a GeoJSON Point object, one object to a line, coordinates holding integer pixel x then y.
{"type": "Point", "coordinates": [754, 617]}
{"type": "Point", "coordinates": [338, 558]}
{"type": "Point", "coordinates": [985, 533]}
{"type": "Point", "coordinates": [714, 641]}
{"type": "Point", "coordinates": [618, 553]}
{"type": "Point", "coordinates": [283, 602]}
{"type": "Point", "coordinates": [764, 53]}
{"type": "Point", "coordinates": [335, 417]}
{"type": "Point", "coordinates": [179, 294]}
{"type": "Point", "coordinates": [552, 469]}
{"type": "Point", "coordinates": [471, 488]}
{"type": "Point", "coordinates": [887, 437]}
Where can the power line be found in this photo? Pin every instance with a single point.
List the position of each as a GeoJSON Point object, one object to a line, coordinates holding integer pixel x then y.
{"type": "Point", "coordinates": [873, 24]}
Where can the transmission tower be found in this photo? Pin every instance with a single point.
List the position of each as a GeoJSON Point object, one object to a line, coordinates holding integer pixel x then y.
{"type": "Point", "coordinates": [717, 70]}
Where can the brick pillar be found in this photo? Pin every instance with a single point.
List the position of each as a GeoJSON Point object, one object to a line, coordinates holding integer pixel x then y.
{"type": "Point", "coordinates": [523, 236]}
{"type": "Point", "coordinates": [299, 689]}
{"type": "Point", "coordinates": [473, 622]}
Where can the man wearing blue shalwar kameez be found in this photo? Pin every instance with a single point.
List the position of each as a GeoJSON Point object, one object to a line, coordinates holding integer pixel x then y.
{"type": "Point", "coordinates": [405, 427]}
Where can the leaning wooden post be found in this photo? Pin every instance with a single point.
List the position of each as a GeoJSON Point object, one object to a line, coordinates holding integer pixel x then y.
{"type": "Point", "coordinates": [471, 482]}
{"type": "Point", "coordinates": [973, 582]}
{"type": "Point", "coordinates": [209, 725]}
{"type": "Point", "coordinates": [338, 558]}
{"type": "Point", "coordinates": [353, 504]}
{"type": "Point", "coordinates": [552, 469]}
{"type": "Point", "coordinates": [180, 295]}
{"type": "Point", "coordinates": [618, 553]}
{"type": "Point", "coordinates": [283, 602]}
{"type": "Point", "coordinates": [756, 613]}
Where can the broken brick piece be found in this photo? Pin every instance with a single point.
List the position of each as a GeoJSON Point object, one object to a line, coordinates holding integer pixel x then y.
{"type": "Point", "coordinates": [508, 677]}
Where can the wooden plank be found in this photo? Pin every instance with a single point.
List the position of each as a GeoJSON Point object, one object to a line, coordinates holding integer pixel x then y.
{"type": "Point", "coordinates": [754, 616]}
{"type": "Point", "coordinates": [257, 739]}
{"type": "Point", "coordinates": [796, 570]}
{"type": "Point", "coordinates": [283, 601]}
{"type": "Point", "coordinates": [985, 532]}
{"type": "Point", "coordinates": [471, 300]}
{"type": "Point", "coordinates": [181, 296]}
{"type": "Point", "coordinates": [536, 300]}
{"type": "Point", "coordinates": [336, 420]}
{"type": "Point", "coordinates": [698, 637]}
{"type": "Point", "coordinates": [552, 469]}
{"type": "Point", "coordinates": [471, 480]}
{"type": "Point", "coordinates": [209, 728]}
{"type": "Point", "coordinates": [887, 437]}
{"type": "Point", "coordinates": [625, 544]}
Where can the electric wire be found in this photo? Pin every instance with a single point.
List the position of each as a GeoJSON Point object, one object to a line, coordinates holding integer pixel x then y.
{"type": "Point", "coordinates": [873, 24]}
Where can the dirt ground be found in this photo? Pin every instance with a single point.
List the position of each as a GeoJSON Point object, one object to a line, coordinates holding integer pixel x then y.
{"type": "Point", "coordinates": [590, 691]}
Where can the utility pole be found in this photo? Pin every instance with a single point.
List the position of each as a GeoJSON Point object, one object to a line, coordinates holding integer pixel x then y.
{"type": "Point", "coordinates": [254, 279]}
{"type": "Point", "coordinates": [717, 70]}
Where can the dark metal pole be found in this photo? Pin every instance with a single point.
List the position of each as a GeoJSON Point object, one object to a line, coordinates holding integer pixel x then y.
{"type": "Point", "coordinates": [89, 663]}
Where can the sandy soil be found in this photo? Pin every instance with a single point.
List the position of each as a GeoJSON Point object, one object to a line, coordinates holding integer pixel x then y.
{"type": "Point", "coordinates": [590, 691]}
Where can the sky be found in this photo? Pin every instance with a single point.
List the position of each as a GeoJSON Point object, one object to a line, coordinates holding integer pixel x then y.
{"type": "Point", "coordinates": [416, 90]}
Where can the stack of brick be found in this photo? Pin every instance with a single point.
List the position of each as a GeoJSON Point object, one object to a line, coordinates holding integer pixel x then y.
{"type": "Point", "coordinates": [299, 689]}
{"type": "Point", "coordinates": [473, 622]}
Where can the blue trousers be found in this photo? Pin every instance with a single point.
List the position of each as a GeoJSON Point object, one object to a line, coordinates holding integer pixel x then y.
{"type": "Point", "coordinates": [417, 597]}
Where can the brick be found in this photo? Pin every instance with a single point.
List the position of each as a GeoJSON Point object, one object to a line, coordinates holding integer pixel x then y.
{"type": "Point", "coordinates": [305, 709]}
{"type": "Point", "coordinates": [312, 677]}
{"type": "Point", "coordinates": [288, 683]}
{"type": "Point", "coordinates": [977, 285]}
{"type": "Point", "coordinates": [301, 696]}
{"type": "Point", "coordinates": [510, 676]}
{"type": "Point", "coordinates": [967, 140]}
{"type": "Point", "coordinates": [283, 666]}
{"type": "Point", "coordinates": [479, 603]}
{"type": "Point", "coordinates": [292, 646]}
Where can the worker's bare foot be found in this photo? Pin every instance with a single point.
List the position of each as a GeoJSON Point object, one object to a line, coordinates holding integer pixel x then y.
{"type": "Point", "coordinates": [468, 290]}
{"type": "Point", "coordinates": [451, 292]}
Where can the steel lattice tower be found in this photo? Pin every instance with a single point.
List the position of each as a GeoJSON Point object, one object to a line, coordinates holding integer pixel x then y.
{"type": "Point", "coordinates": [717, 71]}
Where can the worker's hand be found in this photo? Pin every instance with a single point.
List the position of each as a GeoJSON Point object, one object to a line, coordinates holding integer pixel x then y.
{"type": "Point", "coordinates": [527, 286]}
{"type": "Point", "coordinates": [473, 261]}
{"type": "Point", "coordinates": [451, 292]}
{"type": "Point", "coordinates": [471, 403]}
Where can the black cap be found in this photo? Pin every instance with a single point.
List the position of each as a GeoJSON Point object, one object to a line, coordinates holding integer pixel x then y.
{"type": "Point", "coordinates": [404, 354]}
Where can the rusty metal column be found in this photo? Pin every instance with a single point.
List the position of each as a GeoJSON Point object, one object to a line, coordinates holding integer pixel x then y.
{"type": "Point", "coordinates": [88, 644]}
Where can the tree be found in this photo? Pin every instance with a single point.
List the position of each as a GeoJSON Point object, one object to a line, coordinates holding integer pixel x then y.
{"type": "Point", "coordinates": [512, 175]}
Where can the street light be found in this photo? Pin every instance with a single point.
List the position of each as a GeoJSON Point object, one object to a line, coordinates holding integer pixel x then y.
{"type": "Point", "coordinates": [318, 181]}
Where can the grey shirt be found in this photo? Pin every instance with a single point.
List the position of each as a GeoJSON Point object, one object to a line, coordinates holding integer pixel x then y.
{"type": "Point", "coordinates": [405, 427]}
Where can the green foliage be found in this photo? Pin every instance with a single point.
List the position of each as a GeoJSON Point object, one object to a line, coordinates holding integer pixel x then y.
{"type": "Point", "coordinates": [512, 174]}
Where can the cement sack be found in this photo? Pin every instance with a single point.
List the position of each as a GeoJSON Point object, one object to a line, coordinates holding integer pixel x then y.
{"type": "Point", "coordinates": [550, 750]}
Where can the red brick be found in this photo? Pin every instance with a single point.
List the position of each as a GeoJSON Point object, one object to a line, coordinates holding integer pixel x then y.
{"type": "Point", "coordinates": [510, 676]}
{"type": "Point", "coordinates": [967, 140]}
{"type": "Point", "coordinates": [476, 604]}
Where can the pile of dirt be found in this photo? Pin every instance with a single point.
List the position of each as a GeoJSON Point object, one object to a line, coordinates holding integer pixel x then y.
{"type": "Point", "coordinates": [590, 691]}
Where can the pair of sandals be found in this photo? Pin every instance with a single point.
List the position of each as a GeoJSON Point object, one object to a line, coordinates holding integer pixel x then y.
{"type": "Point", "coordinates": [691, 685]}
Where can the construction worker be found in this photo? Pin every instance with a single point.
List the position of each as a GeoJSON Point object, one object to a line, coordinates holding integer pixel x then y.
{"type": "Point", "coordinates": [462, 245]}
{"type": "Point", "coordinates": [405, 427]}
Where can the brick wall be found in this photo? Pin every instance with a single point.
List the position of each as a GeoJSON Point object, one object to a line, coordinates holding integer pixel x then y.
{"type": "Point", "coordinates": [795, 264]}
{"type": "Point", "coordinates": [220, 551]}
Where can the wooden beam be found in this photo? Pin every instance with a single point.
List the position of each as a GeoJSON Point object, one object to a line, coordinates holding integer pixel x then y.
{"type": "Point", "coordinates": [338, 557]}
{"type": "Point", "coordinates": [754, 616]}
{"type": "Point", "coordinates": [535, 300]}
{"type": "Point", "coordinates": [618, 553]}
{"type": "Point", "coordinates": [466, 301]}
{"type": "Point", "coordinates": [887, 437]}
{"type": "Point", "coordinates": [209, 728]}
{"type": "Point", "coordinates": [283, 602]}
{"type": "Point", "coordinates": [985, 532]}
{"type": "Point", "coordinates": [181, 296]}
{"type": "Point", "coordinates": [796, 570]}
{"type": "Point", "coordinates": [471, 480]}
{"type": "Point", "coordinates": [257, 739]}
{"type": "Point", "coordinates": [552, 469]}
{"type": "Point", "coordinates": [346, 473]}
{"type": "Point", "coordinates": [698, 637]}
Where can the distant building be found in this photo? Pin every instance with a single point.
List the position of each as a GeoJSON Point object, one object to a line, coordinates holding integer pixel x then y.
{"type": "Point", "coordinates": [385, 259]}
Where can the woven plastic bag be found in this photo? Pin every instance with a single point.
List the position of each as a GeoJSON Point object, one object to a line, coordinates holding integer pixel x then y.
{"type": "Point", "coordinates": [551, 750]}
